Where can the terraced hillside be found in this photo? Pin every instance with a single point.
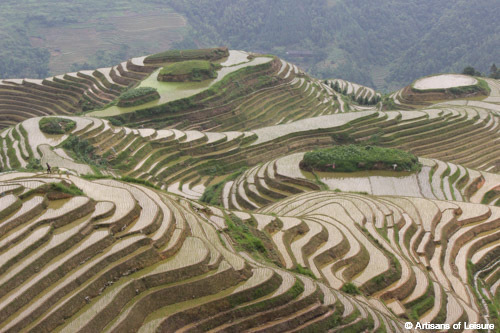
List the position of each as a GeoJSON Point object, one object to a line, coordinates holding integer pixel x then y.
{"type": "Point", "coordinates": [462, 136]}
{"type": "Point", "coordinates": [282, 177]}
{"type": "Point", "coordinates": [193, 214]}
{"type": "Point", "coordinates": [120, 257]}
{"type": "Point", "coordinates": [429, 90]}
{"type": "Point", "coordinates": [249, 92]}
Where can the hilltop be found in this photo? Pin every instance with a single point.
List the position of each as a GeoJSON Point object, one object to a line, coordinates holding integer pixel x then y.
{"type": "Point", "coordinates": [193, 211]}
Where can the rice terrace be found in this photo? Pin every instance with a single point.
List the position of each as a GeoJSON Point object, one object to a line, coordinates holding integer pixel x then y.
{"type": "Point", "coordinates": [226, 190]}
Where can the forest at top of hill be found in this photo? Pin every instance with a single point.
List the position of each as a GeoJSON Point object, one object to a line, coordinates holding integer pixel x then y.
{"type": "Point", "coordinates": [384, 44]}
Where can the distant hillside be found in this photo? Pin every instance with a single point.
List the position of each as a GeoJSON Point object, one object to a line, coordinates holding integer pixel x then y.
{"type": "Point", "coordinates": [383, 44]}
{"type": "Point", "coordinates": [369, 42]}
{"type": "Point", "coordinates": [43, 38]}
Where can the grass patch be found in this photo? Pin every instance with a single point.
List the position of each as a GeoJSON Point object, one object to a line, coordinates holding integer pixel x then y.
{"type": "Point", "coordinates": [213, 193]}
{"type": "Point", "coordinates": [490, 195]}
{"type": "Point", "coordinates": [34, 164]}
{"type": "Point", "coordinates": [11, 154]}
{"type": "Point", "coordinates": [181, 55]}
{"type": "Point", "coordinates": [25, 135]}
{"type": "Point", "coordinates": [68, 189]}
{"type": "Point", "coordinates": [422, 304]}
{"type": "Point", "coordinates": [304, 271]}
{"type": "Point", "coordinates": [191, 70]}
{"type": "Point", "coordinates": [350, 288]}
{"type": "Point", "coordinates": [241, 234]}
{"type": "Point", "coordinates": [56, 125]}
{"type": "Point", "coordinates": [481, 87]}
{"type": "Point", "coordinates": [138, 96]}
{"type": "Point", "coordinates": [138, 181]}
{"type": "Point", "coordinates": [83, 151]}
{"type": "Point", "coordinates": [351, 158]}
{"type": "Point", "coordinates": [248, 238]}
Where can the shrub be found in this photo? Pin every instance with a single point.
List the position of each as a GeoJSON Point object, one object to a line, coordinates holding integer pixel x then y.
{"type": "Point", "coordinates": [350, 288]}
{"type": "Point", "coordinates": [137, 92]}
{"type": "Point", "coordinates": [352, 158]}
{"type": "Point", "coordinates": [83, 151]}
{"type": "Point", "coordinates": [213, 193]}
{"type": "Point", "coordinates": [137, 96]}
{"type": "Point", "coordinates": [34, 164]}
{"type": "Point", "coordinates": [304, 271]}
{"type": "Point", "coordinates": [56, 125]}
{"type": "Point", "coordinates": [243, 236]}
{"type": "Point", "coordinates": [71, 189]}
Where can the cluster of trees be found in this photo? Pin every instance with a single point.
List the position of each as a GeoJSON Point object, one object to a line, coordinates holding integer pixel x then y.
{"type": "Point", "coordinates": [104, 58]}
{"type": "Point", "coordinates": [494, 72]}
{"type": "Point", "coordinates": [351, 38]}
{"type": "Point", "coordinates": [18, 58]}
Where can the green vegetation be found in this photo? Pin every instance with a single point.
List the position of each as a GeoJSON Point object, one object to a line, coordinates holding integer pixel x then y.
{"type": "Point", "coordinates": [182, 104]}
{"type": "Point", "coordinates": [327, 38]}
{"type": "Point", "coordinates": [137, 92]}
{"type": "Point", "coordinates": [213, 193]}
{"type": "Point", "coordinates": [469, 70]}
{"type": "Point", "coordinates": [350, 288]}
{"type": "Point", "coordinates": [34, 164]}
{"type": "Point", "coordinates": [241, 234]}
{"type": "Point", "coordinates": [360, 100]}
{"type": "Point", "coordinates": [421, 304]}
{"type": "Point", "coordinates": [138, 181]}
{"type": "Point", "coordinates": [193, 54]}
{"type": "Point", "coordinates": [11, 154]}
{"type": "Point", "coordinates": [62, 187]}
{"type": "Point", "coordinates": [490, 195]}
{"type": "Point", "coordinates": [352, 158]}
{"type": "Point", "coordinates": [248, 238]}
{"type": "Point", "coordinates": [304, 271]}
{"type": "Point", "coordinates": [56, 125]}
{"type": "Point", "coordinates": [138, 96]}
{"type": "Point", "coordinates": [345, 39]}
{"type": "Point", "coordinates": [18, 57]}
{"type": "Point", "coordinates": [83, 151]}
{"type": "Point", "coordinates": [6, 211]}
{"type": "Point", "coordinates": [494, 72]}
{"type": "Point", "coordinates": [53, 38]}
{"type": "Point", "coordinates": [190, 70]}
{"type": "Point", "coordinates": [71, 189]}
{"type": "Point", "coordinates": [103, 58]}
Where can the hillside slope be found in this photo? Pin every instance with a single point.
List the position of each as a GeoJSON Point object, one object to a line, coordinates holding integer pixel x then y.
{"type": "Point", "coordinates": [200, 217]}
{"type": "Point", "coordinates": [355, 40]}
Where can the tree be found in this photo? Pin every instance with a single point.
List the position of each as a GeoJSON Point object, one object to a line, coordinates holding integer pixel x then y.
{"type": "Point", "coordinates": [336, 86]}
{"type": "Point", "coordinates": [469, 70]}
{"type": "Point", "coordinates": [494, 73]}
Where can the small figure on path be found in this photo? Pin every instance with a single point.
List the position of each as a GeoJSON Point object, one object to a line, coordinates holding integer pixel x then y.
{"type": "Point", "coordinates": [394, 166]}
{"type": "Point", "coordinates": [48, 168]}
